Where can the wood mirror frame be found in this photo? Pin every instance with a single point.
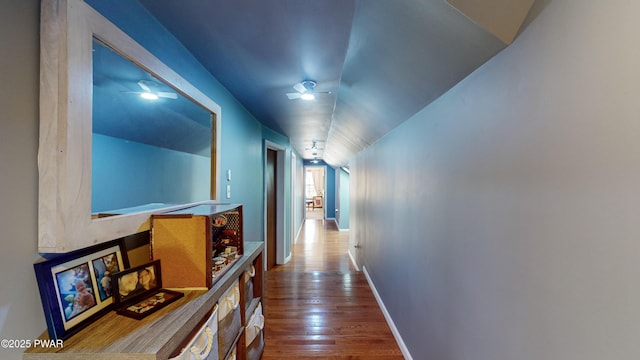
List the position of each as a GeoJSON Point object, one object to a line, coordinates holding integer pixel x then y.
{"type": "Point", "coordinates": [65, 223]}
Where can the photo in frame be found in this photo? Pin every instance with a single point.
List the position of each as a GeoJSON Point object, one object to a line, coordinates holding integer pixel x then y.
{"type": "Point", "coordinates": [76, 287]}
{"type": "Point", "coordinates": [138, 291]}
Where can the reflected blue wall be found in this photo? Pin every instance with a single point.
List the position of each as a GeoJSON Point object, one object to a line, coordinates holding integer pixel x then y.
{"type": "Point", "coordinates": [161, 175]}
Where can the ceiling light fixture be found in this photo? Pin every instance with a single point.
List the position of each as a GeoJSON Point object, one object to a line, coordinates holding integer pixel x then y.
{"type": "Point", "coordinates": [307, 96]}
{"type": "Point", "coordinates": [306, 91]}
{"type": "Point", "coordinates": [148, 95]}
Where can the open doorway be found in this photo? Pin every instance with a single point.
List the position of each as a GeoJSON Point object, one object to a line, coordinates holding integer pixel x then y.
{"type": "Point", "coordinates": [276, 248]}
{"type": "Point", "coordinates": [315, 191]}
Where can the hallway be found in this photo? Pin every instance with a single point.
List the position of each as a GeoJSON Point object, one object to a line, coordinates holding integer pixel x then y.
{"type": "Point", "coordinates": [318, 306]}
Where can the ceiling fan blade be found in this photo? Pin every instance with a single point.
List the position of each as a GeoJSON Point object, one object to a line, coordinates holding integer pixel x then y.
{"type": "Point", "coordinates": [167, 95]}
{"type": "Point", "coordinates": [300, 88]}
{"type": "Point", "coordinates": [293, 96]}
{"type": "Point", "coordinates": [144, 86]}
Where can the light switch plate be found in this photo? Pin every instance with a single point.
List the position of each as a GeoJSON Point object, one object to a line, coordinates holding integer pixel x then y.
{"type": "Point", "coordinates": [228, 191]}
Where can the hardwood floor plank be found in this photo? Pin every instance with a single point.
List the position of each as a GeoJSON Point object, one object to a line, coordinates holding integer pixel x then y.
{"type": "Point", "coordinates": [318, 306]}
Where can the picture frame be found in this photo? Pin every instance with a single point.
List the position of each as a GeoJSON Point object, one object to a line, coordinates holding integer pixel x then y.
{"type": "Point", "coordinates": [317, 202]}
{"type": "Point", "coordinates": [138, 291]}
{"type": "Point", "coordinates": [76, 287]}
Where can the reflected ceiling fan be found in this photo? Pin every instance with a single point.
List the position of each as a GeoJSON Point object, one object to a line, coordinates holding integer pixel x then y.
{"type": "Point", "coordinates": [149, 94]}
{"type": "Point", "coordinates": [305, 91]}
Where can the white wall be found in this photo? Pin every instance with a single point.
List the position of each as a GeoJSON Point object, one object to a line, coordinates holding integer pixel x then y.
{"type": "Point", "coordinates": [21, 315]}
{"type": "Point", "coordinates": [511, 229]}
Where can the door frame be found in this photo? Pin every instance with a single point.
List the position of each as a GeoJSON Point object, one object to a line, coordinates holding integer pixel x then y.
{"type": "Point", "coordinates": [281, 256]}
{"type": "Point", "coordinates": [294, 204]}
{"type": "Point", "coordinates": [324, 186]}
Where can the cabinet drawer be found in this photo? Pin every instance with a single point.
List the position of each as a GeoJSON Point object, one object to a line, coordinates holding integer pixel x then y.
{"type": "Point", "coordinates": [254, 335]}
{"type": "Point", "coordinates": [204, 344]}
{"type": "Point", "coordinates": [256, 348]}
{"type": "Point", "coordinates": [248, 285]}
{"type": "Point", "coordinates": [229, 301]}
{"type": "Point", "coordinates": [229, 322]}
{"type": "Point", "coordinates": [254, 325]}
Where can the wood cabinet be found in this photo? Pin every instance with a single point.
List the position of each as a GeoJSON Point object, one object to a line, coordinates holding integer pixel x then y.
{"type": "Point", "coordinates": [165, 333]}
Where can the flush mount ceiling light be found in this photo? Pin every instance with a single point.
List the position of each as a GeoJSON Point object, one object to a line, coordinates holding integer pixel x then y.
{"type": "Point", "coordinates": [307, 96]}
{"type": "Point", "coordinates": [305, 91]}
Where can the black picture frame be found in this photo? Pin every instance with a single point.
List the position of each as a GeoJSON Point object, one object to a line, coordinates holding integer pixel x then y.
{"type": "Point", "coordinates": [138, 291]}
{"type": "Point", "coordinates": [76, 287]}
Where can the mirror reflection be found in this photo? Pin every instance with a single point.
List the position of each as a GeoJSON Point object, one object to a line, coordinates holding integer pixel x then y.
{"type": "Point", "coordinates": [150, 144]}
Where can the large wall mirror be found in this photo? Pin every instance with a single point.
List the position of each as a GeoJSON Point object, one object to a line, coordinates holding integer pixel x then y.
{"type": "Point", "coordinates": [122, 135]}
{"type": "Point", "coordinates": [150, 144]}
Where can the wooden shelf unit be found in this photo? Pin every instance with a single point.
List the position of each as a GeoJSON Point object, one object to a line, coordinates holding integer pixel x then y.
{"type": "Point", "coordinates": [158, 336]}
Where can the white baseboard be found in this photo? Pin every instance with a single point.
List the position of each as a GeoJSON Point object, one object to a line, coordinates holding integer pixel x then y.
{"type": "Point", "coordinates": [353, 261]}
{"type": "Point", "coordinates": [392, 326]}
{"type": "Point", "coordinates": [295, 239]}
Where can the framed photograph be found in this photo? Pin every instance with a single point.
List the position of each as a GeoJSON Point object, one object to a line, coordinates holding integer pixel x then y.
{"type": "Point", "coordinates": [138, 291]}
{"type": "Point", "coordinates": [76, 287]}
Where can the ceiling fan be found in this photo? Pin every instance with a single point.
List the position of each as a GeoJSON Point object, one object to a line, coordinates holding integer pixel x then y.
{"type": "Point", "coordinates": [305, 91]}
{"type": "Point", "coordinates": [149, 94]}
{"type": "Point", "coordinates": [314, 146]}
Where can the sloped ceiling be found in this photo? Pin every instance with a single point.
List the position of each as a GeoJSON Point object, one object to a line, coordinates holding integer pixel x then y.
{"type": "Point", "coordinates": [381, 61]}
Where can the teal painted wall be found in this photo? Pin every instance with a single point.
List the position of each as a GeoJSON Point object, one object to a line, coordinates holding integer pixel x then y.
{"type": "Point", "coordinates": [162, 175]}
{"type": "Point", "coordinates": [330, 193]}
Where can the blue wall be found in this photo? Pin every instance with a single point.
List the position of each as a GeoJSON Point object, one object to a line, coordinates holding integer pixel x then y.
{"type": "Point", "coordinates": [162, 175]}
{"type": "Point", "coordinates": [330, 193]}
{"type": "Point", "coordinates": [241, 148]}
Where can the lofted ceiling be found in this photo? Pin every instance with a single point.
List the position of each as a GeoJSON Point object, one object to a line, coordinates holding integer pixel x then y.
{"type": "Point", "coordinates": [379, 61]}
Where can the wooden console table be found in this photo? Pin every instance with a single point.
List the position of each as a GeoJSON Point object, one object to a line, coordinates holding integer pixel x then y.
{"type": "Point", "coordinates": [158, 335]}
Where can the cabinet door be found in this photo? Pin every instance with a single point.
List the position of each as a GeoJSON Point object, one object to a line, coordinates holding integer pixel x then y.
{"type": "Point", "coordinates": [183, 246]}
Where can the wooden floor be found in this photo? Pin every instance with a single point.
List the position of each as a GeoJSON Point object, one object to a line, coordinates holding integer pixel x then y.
{"type": "Point", "coordinates": [318, 306]}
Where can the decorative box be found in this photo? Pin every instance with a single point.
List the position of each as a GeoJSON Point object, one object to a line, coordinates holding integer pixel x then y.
{"type": "Point", "coordinates": [197, 244]}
